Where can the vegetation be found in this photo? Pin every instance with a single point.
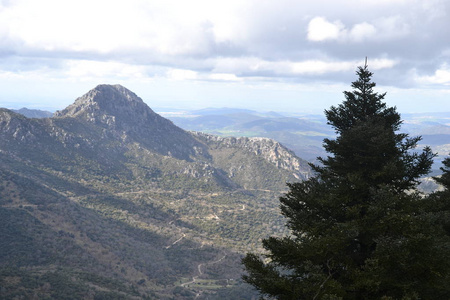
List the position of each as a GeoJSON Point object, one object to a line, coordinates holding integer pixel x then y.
{"type": "Point", "coordinates": [96, 202]}
{"type": "Point", "coordinates": [439, 203]}
{"type": "Point", "coordinates": [360, 229]}
{"type": "Point", "coordinates": [110, 241]}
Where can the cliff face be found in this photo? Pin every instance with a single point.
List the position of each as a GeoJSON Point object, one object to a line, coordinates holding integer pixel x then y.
{"type": "Point", "coordinates": [269, 149]}
{"type": "Point", "coordinates": [17, 127]}
{"type": "Point", "coordinates": [253, 161]}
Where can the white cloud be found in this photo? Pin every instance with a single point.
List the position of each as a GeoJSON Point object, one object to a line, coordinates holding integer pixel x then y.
{"type": "Point", "coordinates": [381, 63]}
{"type": "Point", "coordinates": [324, 67]}
{"type": "Point", "coordinates": [224, 77]}
{"type": "Point", "coordinates": [392, 27]}
{"type": "Point", "coordinates": [320, 67]}
{"type": "Point", "coordinates": [82, 25]}
{"type": "Point", "coordinates": [319, 29]}
{"type": "Point", "coordinates": [238, 65]}
{"type": "Point", "coordinates": [178, 74]}
{"type": "Point", "coordinates": [362, 31]}
{"type": "Point", "coordinates": [89, 70]}
{"type": "Point", "coordinates": [169, 27]}
{"type": "Point", "coordinates": [386, 28]}
{"type": "Point", "coordinates": [253, 65]}
{"type": "Point", "coordinates": [440, 77]}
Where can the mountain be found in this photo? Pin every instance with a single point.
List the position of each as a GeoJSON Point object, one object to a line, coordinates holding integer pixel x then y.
{"type": "Point", "coordinates": [123, 115]}
{"type": "Point", "coordinates": [109, 200]}
{"type": "Point", "coordinates": [33, 113]}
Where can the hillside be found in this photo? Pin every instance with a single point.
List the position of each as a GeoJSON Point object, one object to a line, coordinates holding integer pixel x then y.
{"type": "Point", "coordinates": [109, 200]}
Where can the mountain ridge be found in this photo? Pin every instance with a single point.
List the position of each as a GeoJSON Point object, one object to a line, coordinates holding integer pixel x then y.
{"type": "Point", "coordinates": [33, 113]}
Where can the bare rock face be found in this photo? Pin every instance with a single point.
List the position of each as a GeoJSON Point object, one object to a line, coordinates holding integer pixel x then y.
{"type": "Point", "coordinates": [18, 128]}
{"type": "Point", "coordinates": [267, 149]}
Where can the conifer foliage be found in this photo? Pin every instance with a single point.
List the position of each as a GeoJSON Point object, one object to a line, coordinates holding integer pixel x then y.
{"type": "Point", "coordinates": [359, 229]}
{"type": "Point", "coordinates": [439, 203]}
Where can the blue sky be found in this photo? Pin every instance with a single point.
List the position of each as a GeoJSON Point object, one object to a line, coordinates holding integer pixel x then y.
{"type": "Point", "coordinates": [279, 55]}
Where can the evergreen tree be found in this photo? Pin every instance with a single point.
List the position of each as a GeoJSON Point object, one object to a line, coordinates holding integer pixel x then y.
{"type": "Point", "coordinates": [359, 229]}
{"type": "Point", "coordinates": [439, 203]}
{"type": "Point", "coordinates": [444, 179]}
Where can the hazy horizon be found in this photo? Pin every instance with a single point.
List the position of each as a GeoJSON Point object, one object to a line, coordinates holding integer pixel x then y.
{"type": "Point", "coordinates": [173, 109]}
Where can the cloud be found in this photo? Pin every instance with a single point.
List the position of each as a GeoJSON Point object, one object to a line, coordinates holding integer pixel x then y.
{"type": "Point", "coordinates": [440, 77]}
{"type": "Point", "coordinates": [178, 74]}
{"type": "Point", "coordinates": [252, 66]}
{"type": "Point", "coordinates": [319, 29]}
{"type": "Point", "coordinates": [321, 67]}
{"type": "Point", "coordinates": [382, 63]}
{"type": "Point", "coordinates": [224, 77]}
{"type": "Point", "coordinates": [392, 27]}
{"type": "Point", "coordinates": [226, 41]}
{"type": "Point", "coordinates": [362, 31]}
{"type": "Point", "coordinates": [88, 70]}
{"type": "Point", "coordinates": [107, 26]}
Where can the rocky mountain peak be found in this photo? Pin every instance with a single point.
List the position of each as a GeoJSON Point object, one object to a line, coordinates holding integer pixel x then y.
{"type": "Point", "coordinates": [105, 103]}
{"type": "Point", "coordinates": [118, 109]}
{"type": "Point", "coordinates": [123, 115]}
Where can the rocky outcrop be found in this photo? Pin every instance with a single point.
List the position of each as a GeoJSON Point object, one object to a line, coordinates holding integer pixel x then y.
{"type": "Point", "coordinates": [19, 128]}
{"type": "Point", "coordinates": [268, 149]}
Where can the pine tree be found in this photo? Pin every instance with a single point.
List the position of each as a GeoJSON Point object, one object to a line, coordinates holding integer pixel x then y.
{"type": "Point", "coordinates": [439, 202]}
{"type": "Point", "coordinates": [444, 179]}
{"type": "Point", "coordinates": [359, 229]}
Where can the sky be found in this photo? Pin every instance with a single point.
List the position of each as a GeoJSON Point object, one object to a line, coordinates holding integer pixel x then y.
{"type": "Point", "coordinates": [283, 55]}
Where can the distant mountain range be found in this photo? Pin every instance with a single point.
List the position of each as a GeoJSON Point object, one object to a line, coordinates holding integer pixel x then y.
{"type": "Point", "coordinates": [304, 133]}
{"type": "Point", "coordinates": [106, 199]}
{"type": "Point", "coordinates": [33, 113]}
